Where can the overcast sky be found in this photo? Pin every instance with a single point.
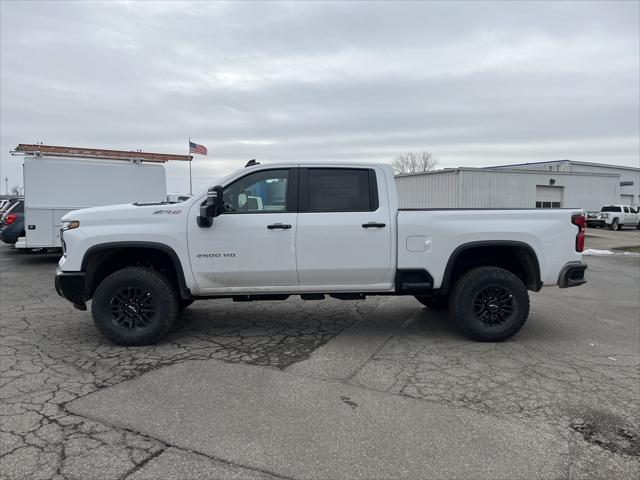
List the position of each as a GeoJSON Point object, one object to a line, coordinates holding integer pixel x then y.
{"type": "Point", "coordinates": [475, 83]}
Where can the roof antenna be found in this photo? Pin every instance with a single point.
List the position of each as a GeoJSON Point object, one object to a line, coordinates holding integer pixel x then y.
{"type": "Point", "coordinates": [252, 163]}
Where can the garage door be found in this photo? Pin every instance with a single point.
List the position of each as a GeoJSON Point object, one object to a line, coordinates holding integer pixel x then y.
{"type": "Point", "coordinates": [548, 197]}
{"type": "Point", "coordinates": [626, 199]}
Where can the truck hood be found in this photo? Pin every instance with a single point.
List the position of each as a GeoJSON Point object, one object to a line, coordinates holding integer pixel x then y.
{"type": "Point", "coordinates": [128, 213]}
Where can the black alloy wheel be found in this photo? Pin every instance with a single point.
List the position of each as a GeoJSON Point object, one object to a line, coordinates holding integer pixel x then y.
{"type": "Point", "coordinates": [134, 306]}
{"type": "Point", "coordinates": [494, 305]}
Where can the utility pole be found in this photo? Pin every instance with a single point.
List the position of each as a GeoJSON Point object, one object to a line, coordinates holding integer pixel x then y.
{"type": "Point", "coordinates": [6, 185]}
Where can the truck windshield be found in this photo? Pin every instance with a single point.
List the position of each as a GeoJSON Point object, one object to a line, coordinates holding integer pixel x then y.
{"type": "Point", "coordinates": [610, 208]}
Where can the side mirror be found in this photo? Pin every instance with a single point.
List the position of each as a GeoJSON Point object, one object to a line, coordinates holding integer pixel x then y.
{"type": "Point", "coordinates": [213, 207]}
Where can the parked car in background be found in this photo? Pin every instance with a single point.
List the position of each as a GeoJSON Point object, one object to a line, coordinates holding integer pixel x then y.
{"type": "Point", "coordinates": [12, 223]}
{"type": "Point", "coordinates": [177, 197]}
{"type": "Point", "coordinates": [614, 217]}
{"type": "Point", "coordinates": [7, 204]}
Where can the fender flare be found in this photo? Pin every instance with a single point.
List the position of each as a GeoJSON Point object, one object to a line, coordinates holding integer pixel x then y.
{"type": "Point", "coordinates": [445, 285]}
{"type": "Point", "coordinates": [175, 260]}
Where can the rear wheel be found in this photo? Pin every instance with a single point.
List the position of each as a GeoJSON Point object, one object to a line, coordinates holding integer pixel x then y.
{"type": "Point", "coordinates": [438, 302]}
{"type": "Point", "coordinates": [134, 306]}
{"type": "Point", "coordinates": [489, 304]}
{"type": "Point", "coordinates": [638, 226]}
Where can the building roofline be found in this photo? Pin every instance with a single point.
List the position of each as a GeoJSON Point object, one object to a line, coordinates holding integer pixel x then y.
{"type": "Point", "coordinates": [576, 162]}
{"type": "Point", "coordinates": [506, 170]}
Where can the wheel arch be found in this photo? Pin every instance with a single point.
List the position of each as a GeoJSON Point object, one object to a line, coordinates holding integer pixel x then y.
{"type": "Point", "coordinates": [522, 261]}
{"type": "Point", "coordinates": [101, 260]}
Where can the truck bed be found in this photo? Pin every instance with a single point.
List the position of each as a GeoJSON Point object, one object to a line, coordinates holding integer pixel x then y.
{"type": "Point", "coordinates": [429, 238]}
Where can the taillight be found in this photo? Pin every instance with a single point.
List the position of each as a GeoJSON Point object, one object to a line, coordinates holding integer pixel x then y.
{"type": "Point", "coordinates": [580, 222]}
{"type": "Point", "coordinates": [10, 218]}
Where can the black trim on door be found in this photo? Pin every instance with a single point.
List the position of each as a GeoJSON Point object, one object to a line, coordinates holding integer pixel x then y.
{"type": "Point", "coordinates": [373, 190]}
{"type": "Point", "coordinates": [303, 189]}
{"type": "Point", "coordinates": [292, 191]}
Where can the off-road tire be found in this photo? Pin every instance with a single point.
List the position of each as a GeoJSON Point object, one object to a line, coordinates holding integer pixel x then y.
{"type": "Point", "coordinates": [437, 302]}
{"type": "Point", "coordinates": [465, 301]}
{"type": "Point", "coordinates": [152, 291]}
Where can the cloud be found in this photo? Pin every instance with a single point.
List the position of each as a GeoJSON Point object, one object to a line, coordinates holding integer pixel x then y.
{"type": "Point", "coordinates": [476, 83]}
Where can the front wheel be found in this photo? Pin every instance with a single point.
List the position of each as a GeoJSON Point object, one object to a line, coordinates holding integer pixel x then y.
{"type": "Point", "coordinates": [638, 226]}
{"type": "Point", "coordinates": [489, 304]}
{"type": "Point", "coordinates": [615, 226]}
{"type": "Point", "coordinates": [134, 306]}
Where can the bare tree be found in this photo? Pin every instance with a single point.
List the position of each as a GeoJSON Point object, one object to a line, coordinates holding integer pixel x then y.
{"type": "Point", "coordinates": [15, 190]}
{"type": "Point", "coordinates": [414, 162]}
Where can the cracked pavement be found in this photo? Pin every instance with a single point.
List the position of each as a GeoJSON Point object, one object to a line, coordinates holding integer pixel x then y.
{"type": "Point", "coordinates": [51, 354]}
{"type": "Point", "coordinates": [577, 358]}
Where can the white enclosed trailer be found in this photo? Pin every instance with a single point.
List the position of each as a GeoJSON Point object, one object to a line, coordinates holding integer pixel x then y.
{"type": "Point", "coordinates": [65, 179]}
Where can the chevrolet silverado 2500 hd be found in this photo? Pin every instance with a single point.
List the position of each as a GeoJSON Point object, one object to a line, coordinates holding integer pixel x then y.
{"type": "Point", "coordinates": [271, 231]}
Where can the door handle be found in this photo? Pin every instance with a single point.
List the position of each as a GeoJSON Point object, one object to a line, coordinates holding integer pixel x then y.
{"type": "Point", "coordinates": [373, 225]}
{"type": "Point", "coordinates": [281, 226]}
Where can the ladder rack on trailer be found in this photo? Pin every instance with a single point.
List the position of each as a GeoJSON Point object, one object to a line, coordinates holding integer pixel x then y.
{"type": "Point", "coordinates": [96, 153]}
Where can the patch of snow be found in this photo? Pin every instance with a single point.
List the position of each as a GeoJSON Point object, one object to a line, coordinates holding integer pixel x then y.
{"type": "Point", "coordinates": [595, 251]}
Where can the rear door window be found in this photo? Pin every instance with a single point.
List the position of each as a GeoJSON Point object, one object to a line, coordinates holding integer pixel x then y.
{"type": "Point", "coordinates": [610, 208]}
{"type": "Point", "coordinates": [342, 190]}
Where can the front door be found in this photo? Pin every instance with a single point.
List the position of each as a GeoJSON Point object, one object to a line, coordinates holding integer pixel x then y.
{"type": "Point", "coordinates": [252, 244]}
{"type": "Point", "coordinates": [344, 229]}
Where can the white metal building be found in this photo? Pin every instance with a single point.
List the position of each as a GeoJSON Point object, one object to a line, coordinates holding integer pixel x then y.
{"type": "Point", "coordinates": [556, 184]}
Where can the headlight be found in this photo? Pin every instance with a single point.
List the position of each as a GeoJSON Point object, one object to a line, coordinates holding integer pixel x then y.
{"type": "Point", "coordinates": [69, 225]}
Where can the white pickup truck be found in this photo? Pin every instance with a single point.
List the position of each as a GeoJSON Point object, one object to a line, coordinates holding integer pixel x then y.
{"type": "Point", "coordinates": [271, 231]}
{"type": "Point", "coordinates": [614, 217]}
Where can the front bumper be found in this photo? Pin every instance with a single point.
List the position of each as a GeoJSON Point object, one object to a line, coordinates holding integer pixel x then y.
{"type": "Point", "coordinates": [595, 222]}
{"type": "Point", "coordinates": [572, 275]}
{"type": "Point", "coordinates": [72, 286]}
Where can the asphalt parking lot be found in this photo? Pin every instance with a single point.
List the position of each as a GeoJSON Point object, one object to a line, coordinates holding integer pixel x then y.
{"type": "Point", "coordinates": [381, 388]}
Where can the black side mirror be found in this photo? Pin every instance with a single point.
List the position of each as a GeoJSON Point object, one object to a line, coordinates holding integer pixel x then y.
{"type": "Point", "coordinates": [213, 207]}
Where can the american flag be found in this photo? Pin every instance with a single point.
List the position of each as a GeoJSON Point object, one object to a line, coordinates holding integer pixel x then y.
{"type": "Point", "coordinates": [195, 148]}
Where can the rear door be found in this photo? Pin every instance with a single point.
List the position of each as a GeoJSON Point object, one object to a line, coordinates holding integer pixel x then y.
{"type": "Point", "coordinates": [344, 228]}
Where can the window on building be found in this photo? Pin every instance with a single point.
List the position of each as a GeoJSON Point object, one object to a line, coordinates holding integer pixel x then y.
{"type": "Point", "coordinates": [547, 204]}
{"type": "Point", "coordinates": [342, 190]}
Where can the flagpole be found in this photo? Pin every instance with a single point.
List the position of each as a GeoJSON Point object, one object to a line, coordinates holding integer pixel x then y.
{"type": "Point", "coordinates": [190, 160]}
